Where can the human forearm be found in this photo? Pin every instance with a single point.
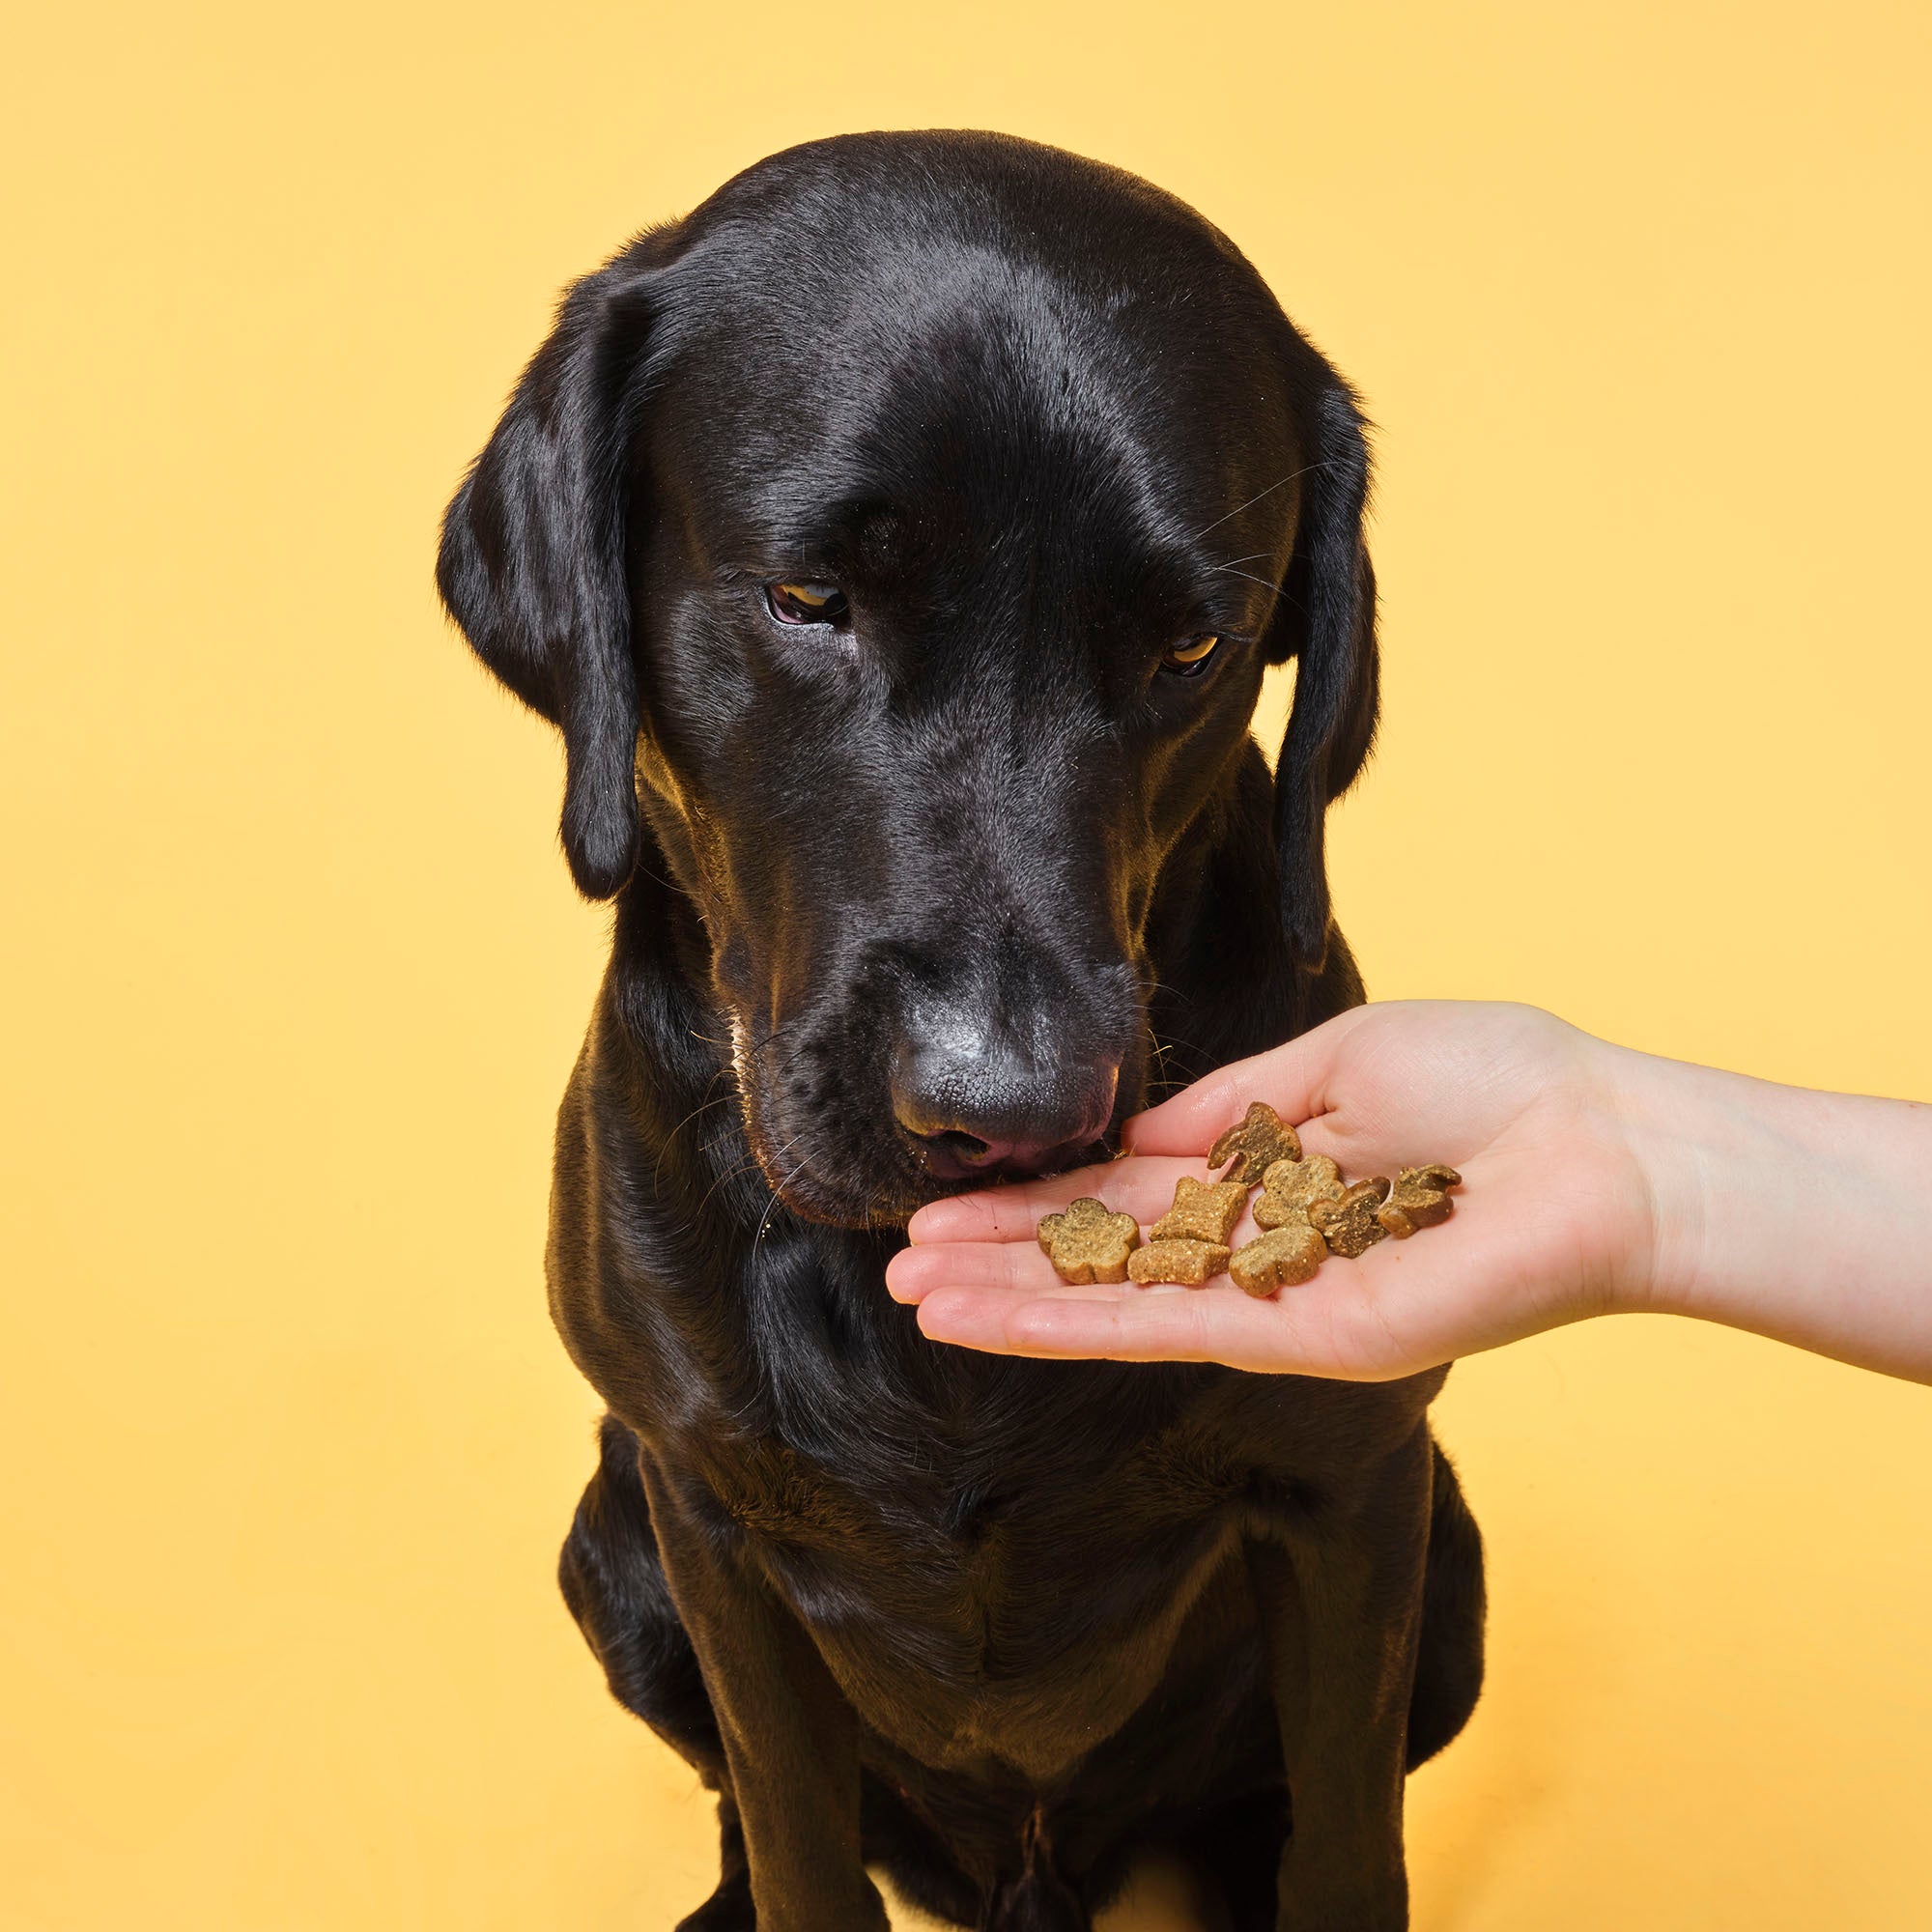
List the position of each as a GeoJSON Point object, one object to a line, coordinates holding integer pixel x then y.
{"type": "Point", "coordinates": [1802, 1215]}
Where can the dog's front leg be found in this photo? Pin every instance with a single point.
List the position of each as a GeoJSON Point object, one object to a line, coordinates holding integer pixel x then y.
{"type": "Point", "coordinates": [1340, 1600]}
{"type": "Point", "coordinates": [790, 1737]}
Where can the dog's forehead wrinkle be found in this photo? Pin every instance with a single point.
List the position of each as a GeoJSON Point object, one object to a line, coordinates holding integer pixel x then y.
{"type": "Point", "coordinates": [883, 276]}
{"type": "Point", "coordinates": [956, 355]}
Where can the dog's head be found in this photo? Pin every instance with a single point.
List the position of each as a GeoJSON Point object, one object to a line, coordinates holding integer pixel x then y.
{"type": "Point", "coordinates": [908, 529]}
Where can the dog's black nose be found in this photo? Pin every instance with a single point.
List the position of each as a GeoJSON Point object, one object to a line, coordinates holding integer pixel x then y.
{"type": "Point", "coordinates": [985, 1111]}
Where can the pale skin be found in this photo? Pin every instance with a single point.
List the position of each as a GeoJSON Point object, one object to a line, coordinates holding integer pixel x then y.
{"type": "Point", "coordinates": [1597, 1181]}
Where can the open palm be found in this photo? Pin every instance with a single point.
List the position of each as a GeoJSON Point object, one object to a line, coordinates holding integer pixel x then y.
{"type": "Point", "coordinates": [1553, 1220]}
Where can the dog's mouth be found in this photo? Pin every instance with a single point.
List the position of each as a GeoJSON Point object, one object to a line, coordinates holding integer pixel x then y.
{"type": "Point", "coordinates": [959, 1161]}
{"type": "Point", "coordinates": [895, 1194]}
{"type": "Point", "coordinates": [856, 1166]}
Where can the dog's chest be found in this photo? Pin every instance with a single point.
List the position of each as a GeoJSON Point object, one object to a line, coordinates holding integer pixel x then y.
{"type": "Point", "coordinates": [970, 1613]}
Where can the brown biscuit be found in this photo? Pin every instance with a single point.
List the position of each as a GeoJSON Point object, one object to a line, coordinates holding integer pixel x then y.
{"type": "Point", "coordinates": [1418, 1200]}
{"type": "Point", "coordinates": [1290, 1188]}
{"type": "Point", "coordinates": [1187, 1263]}
{"type": "Point", "coordinates": [1089, 1242]}
{"type": "Point", "coordinates": [1254, 1143]}
{"type": "Point", "coordinates": [1348, 1225]}
{"type": "Point", "coordinates": [1203, 1211]}
{"type": "Point", "coordinates": [1282, 1258]}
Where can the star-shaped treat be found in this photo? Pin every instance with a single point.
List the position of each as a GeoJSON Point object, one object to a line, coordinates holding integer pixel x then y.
{"type": "Point", "coordinates": [1089, 1242]}
{"type": "Point", "coordinates": [1190, 1263]}
{"type": "Point", "coordinates": [1254, 1143]}
{"type": "Point", "coordinates": [1348, 1225]}
{"type": "Point", "coordinates": [1203, 1211]}
{"type": "Point", "coordinates": [1418, 1200]}
{"type": "Point", "coordinates": [1290, 1188]}
{"type": "Point", "coordinates": [1285, 1257]}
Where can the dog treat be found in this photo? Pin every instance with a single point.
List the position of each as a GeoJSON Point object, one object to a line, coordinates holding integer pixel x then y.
{"type": "Point", "coordinates": [1203, 1211]}
{"type": "Point", "coordinates": [1418, 1200]}
{"type": "Point", "coordinates": [1348, 1225]}
{"type": "Point", "coordinates": [1282, 1258]}
{"type": "Point", "coordinates": [1290, 1188]}
{"type": "Point", "coordinates": [1306, 1208]}
{"type": "Point", "coordinates": [1254, 1143]}
{"type": "Point", "coordinates": [1090, 1242]}
{"type": "Point", "coordinates": [1189, 1262]}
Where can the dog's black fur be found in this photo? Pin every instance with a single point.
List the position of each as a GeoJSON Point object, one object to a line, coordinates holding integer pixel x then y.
{"type": "Point", "coordinates": [968, 877]}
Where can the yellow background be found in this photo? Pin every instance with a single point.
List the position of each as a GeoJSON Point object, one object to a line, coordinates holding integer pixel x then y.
{"type": "Point", "coordinates": [1639, 296]}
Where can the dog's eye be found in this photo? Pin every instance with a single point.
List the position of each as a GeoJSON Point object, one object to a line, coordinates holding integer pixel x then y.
{"type": "Point", "coordinates": [1191, 659]}
{"type": "Point", "coordinates": [807, 602]}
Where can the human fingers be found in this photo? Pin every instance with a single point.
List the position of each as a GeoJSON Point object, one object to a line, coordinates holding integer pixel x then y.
{"type": "Point", "coordinates": [1010, 1265]}
{"type": "Point", "coordinates": [1319, 1333]}
{"type": "Point", "coordinates": [1011, 1268]}
{"type": "Point", "coordinates": [1138, 1186]}
{"type": "Point", "coordinates": [1489, 1275]}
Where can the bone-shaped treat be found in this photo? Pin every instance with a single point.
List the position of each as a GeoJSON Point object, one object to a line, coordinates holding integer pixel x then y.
{"type": "Point", "coordinates": [1203, 1211]}
{"type": "Point", "coordinates": [1190, 1263]}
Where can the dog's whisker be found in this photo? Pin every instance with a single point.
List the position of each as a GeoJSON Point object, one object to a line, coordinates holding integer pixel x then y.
{"type": "Point", "coordinates": [744, 1167]}
{"type": "Point", "coordinates": [1278, 484]}
{"type": "Point", "coordinates": [705, 1106]}
{"type": "Point", "coordinates": [778, 1033]}
{"type": "Point", "coordinates": [706, 1101]}
{"type": "Point", "coordinates": [772, 1207]}
{"type": "Point", "coordinates": [785, 1065]}
{"type": "Point", "coordinates": [785, 1182]}
{"type": "Point", "coordinates": [1273, 590]}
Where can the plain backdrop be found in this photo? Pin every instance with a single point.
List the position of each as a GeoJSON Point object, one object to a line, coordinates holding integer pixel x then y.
{"type": "Point", "coordinates": [1637, 295]}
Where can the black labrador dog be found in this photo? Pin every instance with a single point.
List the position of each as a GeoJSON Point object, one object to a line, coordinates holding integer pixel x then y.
{"type": "Point", "coordinates": [898, 542]}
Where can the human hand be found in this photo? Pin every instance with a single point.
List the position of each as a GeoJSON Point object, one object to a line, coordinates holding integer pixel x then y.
{"type": "Point", "coordinates": [1555, 1220]}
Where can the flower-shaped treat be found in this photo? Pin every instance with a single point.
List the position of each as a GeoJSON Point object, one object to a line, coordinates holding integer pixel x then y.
{"type": "Point", "coordinates": [1254, 1143]}
{"type": "Point", "coordinates": [1090, 1242]}
{"type": "Point", "coordinates": [1418, 1200]}
{"type": "Point", "coordinates": [1290, 1188]}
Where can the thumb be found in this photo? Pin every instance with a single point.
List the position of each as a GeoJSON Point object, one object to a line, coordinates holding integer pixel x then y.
{"type": "Point", "coordinates": [1293, 1078]}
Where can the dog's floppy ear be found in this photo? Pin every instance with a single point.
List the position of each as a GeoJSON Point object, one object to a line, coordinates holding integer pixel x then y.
{"type": "Point", "coordinates": [1327, 621]}
{"type": "Point", "coordinates": [533, 562]}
